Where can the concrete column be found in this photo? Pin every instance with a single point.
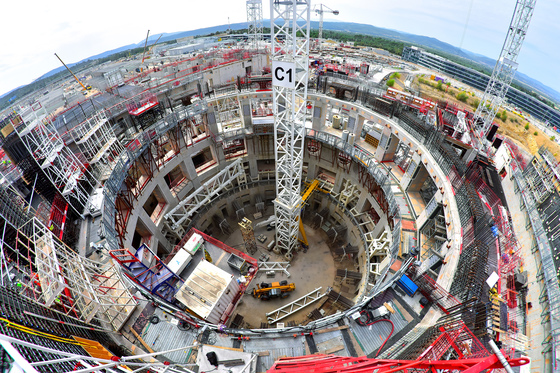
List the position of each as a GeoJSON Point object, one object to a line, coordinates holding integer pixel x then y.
{"type": "Point", "coordinates": [360, 205]}
{"type": "Point", "coordinates": [380, 226]}
{"type": "Point", "coordinates": [312, 169]}
{"type": "Point", "coordinates": [253, 168]}
{"type": "Point", "coordinates": [169, 198]}
{"type": "Point", "coordinates": [407, 177]}
{"type": "Point", "coordinates": [380, 151]}
{"type": "Point", "coordinates": [157, 236]}
{"type": "Point", "coordinates": [469, 155]}
{"type": "Point", "coordinates": [358, 126]}
{"type": "Point", "coordinates": [246, 112]}
{"type": "Point", "coordinates": [319, 121]}
{"type": "Point", "coordinates": [211, 119]}
{"type": "Point", "coordinates": [188, 166]}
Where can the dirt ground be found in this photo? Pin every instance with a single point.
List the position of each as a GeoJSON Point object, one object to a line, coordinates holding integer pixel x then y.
{"type": "Point", "coordinates": [513, 127]}
{"type": "Point", "coordinates": [308, 271]}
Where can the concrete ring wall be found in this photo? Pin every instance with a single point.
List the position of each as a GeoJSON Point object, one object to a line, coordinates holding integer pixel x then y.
{"type": "Point", "coordinates": [359, 155]}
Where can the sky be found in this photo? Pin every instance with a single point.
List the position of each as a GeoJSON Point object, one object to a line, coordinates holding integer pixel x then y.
{"type": "Point", "coordinates": [32, 31]}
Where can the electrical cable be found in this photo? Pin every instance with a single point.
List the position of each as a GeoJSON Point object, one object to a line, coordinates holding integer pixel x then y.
{"type": "Point", "coordinates": [369, 322]}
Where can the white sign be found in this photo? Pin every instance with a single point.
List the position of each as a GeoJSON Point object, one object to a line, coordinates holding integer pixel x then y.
{"type": "Point", "coordinates": [491, 281]}
{"type": "Point", "coordinates": [284, 74]}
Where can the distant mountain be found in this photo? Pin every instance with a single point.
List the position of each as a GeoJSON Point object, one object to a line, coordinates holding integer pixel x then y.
{"type": "Point", "coordinates": [100, 55]}
{"type": "Point", "coordinates": [436, 44]}
{"type": "Point", "coordinates": [183, 34]}
{"type": "Point", "coordinates": [8, 93]}
{"type": "Point", "coordinates": [360, 28]}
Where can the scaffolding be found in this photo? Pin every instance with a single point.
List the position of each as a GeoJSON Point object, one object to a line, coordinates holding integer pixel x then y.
{"type": "Point", "coordinates": [68, 172]}
{"type": "Point", "coordinates": [97, 141]}
{"type": "Point", "coordinates": [49, 273]}
{"type": "Point", "coordinates": [228, 109]}
{"type": "Point", "coordinates": [248, 235]}
{"type": "Point", "coordinates": [548, 268]}
{"type": "Point", "coordinates": [539, 181]}
{"type": "Point", "coordinates": [82, 354]}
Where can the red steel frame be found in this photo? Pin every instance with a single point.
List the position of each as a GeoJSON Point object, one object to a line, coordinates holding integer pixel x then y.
{"type": "Point", "coordinates": [341, 364]}
{"type": "Point", "coordinates": [58, 214]}
{"type": "Point", "coordinates": [473, 358]}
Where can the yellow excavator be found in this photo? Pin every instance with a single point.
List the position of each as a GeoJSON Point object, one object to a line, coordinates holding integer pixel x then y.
{"type": "Point", "coordinates": [267, 291]}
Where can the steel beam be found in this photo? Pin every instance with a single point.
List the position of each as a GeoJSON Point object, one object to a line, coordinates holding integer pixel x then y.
{"type": "Point", "coordinates": [203, 195]}
{"type": "Point", "coordinates": [293, 307]}
{"type": "Point", "coordinates": [275, 266]}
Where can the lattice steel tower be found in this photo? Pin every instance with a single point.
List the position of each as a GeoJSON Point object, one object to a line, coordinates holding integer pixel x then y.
{"type": "Point", "coordinates": [248, 235]}
{"type": "Point", "coordinates": [290, 69]}
{"type": "Point", "coordinates": [255, 22]}
{"type": "Point", "coordinates": [505, 69]}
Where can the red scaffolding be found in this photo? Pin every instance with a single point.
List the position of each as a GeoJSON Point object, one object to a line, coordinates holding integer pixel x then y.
{"type": "Point", "coordinates": [455, 339]}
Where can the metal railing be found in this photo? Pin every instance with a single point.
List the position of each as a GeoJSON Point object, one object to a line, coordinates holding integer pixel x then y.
{"type": "Point", "coordinates": [548, 268]}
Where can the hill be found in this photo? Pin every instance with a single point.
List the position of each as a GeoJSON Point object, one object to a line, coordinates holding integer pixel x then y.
{"type": "Point", "coordinates": [435, 45]}
{"type": "Point", "coordinates": [432, 44]}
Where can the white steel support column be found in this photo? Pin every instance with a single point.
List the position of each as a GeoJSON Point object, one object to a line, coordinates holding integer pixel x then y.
{"type": "Point", "coordinates": [255, 22]}
{"type": "Point", "coordinates": [505, 69]}
{"type": "Point", "coordinates": [290, 69]}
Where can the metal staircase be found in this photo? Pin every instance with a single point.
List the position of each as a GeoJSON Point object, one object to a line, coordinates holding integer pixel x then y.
{"type": "Point", "coordinates": [149, 271]}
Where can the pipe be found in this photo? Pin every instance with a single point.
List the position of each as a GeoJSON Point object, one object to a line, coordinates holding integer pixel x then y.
{"type": "Point", "coordinates": [500, 356]}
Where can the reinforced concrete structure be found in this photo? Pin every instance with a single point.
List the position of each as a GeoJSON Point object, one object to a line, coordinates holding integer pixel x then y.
{"type": "Point", "coordinates": [418, 258]}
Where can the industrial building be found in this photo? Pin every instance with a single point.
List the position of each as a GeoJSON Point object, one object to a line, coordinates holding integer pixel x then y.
{"type": "Point", "coordinates": [478, 80]}
{"type": "Point", "coordinates": [138, 222]}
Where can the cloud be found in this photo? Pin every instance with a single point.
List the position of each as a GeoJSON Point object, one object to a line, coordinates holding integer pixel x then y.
{"type": "Point", "coordinates": [76, 30]}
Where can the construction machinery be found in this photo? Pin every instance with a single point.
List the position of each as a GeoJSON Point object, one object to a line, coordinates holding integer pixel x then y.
{"type": "Point", "coordinates": [320, 11]}
{"type": "Point", "coordinates": [86, 88]}
{"type": "Point", "coordinates": [267, 291]}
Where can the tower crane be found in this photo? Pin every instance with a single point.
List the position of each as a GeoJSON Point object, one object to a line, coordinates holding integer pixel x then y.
{"type": "Point", "coordinates": [290, 69]}
{"type": "Point", "coordinates": [502, 76]}
{"type": "Point", "coordinates": [320, 11]}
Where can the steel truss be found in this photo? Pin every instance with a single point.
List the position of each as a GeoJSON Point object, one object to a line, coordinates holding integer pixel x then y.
{"type": "Point", "coordinates": [95, 138]}
{"type": "Point", "coordinates": [506, 66]}
{"type": "Point", "coordinates": [87, 363]}
{"type": "Point", "coordinates": [246, 227]}
{"type": "Point", "coordinates": [51, 274]}
{"type": "Point", "coordinates": [288, 19]}
{"type": "Point", "coordinates": [255, 22]}
{"type": "Point", "coordinates": [275, 266]}
{"type": "Point", "coordinates": [66, 171]}
{"type": "Point", "coordinates": [228, 109]}
{"type": "Point", "coordinates": [295, 306]}
{"type": "Point", "coordinates": [233, 174]}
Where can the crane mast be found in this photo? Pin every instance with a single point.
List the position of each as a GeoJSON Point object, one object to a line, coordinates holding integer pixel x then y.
{"type": "Point", "coordinates": [254, 22]}
{"type": "Point", "coordinates": [290, 71]}
{"type": "Point", "coordinates": [504, 71]}
{"type": "Point", "coordinates": [319, 10]}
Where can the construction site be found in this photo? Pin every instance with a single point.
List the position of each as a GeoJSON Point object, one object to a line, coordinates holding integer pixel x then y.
{"type": "Point", "coordinates": [264, 203]}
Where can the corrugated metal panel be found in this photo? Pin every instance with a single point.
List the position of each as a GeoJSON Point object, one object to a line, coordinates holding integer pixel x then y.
{"type": "Point", "coordinates": [371, 337]}
{"type": "Point", "coordinates": [330, 340]}
{"type": "Point", "coordinates": [167, 336]}
{"type": "Point", "coordinates": [281, 347]}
